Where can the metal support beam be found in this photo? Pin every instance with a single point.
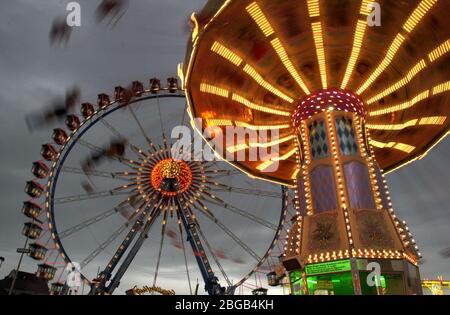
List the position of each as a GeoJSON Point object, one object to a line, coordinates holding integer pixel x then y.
{"type": "Point", "coordinates": [133, 252]}
{"type": "Point", "coordinates": [106, 274]}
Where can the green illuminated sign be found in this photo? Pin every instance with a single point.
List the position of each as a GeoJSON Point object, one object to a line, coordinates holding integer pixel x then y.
{"type": "Point", "coordinates": [296, 276]}
{"type": "Point", "coordinates": [328, 267]}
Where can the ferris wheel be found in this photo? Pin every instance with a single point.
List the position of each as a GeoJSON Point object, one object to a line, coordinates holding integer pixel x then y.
{"type": "Point", "coordinates": [114, 191]}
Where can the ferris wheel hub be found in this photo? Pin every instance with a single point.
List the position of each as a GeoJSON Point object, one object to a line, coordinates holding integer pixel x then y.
{"type": "Point", "coordinates": [171, 169]}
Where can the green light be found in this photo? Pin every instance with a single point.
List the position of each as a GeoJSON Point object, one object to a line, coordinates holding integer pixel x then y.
{"type": "Point", "coordinates": [331, 284]}
{"type": "Point", "coordinates": [383, 282]}
{"type": "Point", "coordinates": [328, 267]}
{"type": "Point", "coordinates": [296, 276]}
{"type": "Point", "coordinates": [296, 282]}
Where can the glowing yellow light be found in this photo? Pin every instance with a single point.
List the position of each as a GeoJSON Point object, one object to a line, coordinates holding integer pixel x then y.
{"type": "Point", "coordinates": [219, 122]}
{"type": "Point", "coordinates": [434, 120]}
{"type": "Point", "coordinates": [211, 89]}
{"type": "Point", "coordinates": [270, 162]}
{"type": "Point", "coordinates": [432, 56]}
{"type": "Point", "coordinates": [258, 16]}
{"type": "Point", "coordinates": [264, 165]}
{"type": "Point", "coordinates": [236, 60]}
{"type": "Point", "coordinates": [365, 9]}
{"type": "Point", "coordinates": [295, 173]}
{"type": "Point", "coordinates": [285, 156]}
{"type": "Point", "coordinates": [313, 8]}
{"type": "Point", "coordinates": [409, 76]}
{"type": "Point", "coordinates": [404, 147]}
{"type": "Point", "coordinates": [260, 80]}
{"type": "Point", "coordinates": [272, 143]}
{"type": "Point", "coordinates": [226, 122]}
{"type": "Point", "coordinates": [224, 5]}
{"type": "Point", "coordinates": [439, 51]}
{"type": "Point", "coordinates": [441, 88]}
{"type": "Point", "coordinates": [226, 53]}
{"type": "Point", "coordinates": [396, 44]}
{"type": "Point", "coordinates": [237, 148]}
{"type": "Point", "coordinates": [361, 27]}
{"type": "Point", "coordinates": [395, 145]}
{"type": "Point", "coordinates": [422, 9]}
{"type": "Point", "coordinates": [412, 21]}
{"type": "Point", "coordinates": [181, 75]}
{"type": "Point", "coordinates": [260, 127]}
{"type": "Point", "coordinates": [320, 50]}
{"type": "Point", "coordinates": [196, 27]}
{"type": "Point", "coordinates": [402, 106]}
{"type": "Point", "coordinates": [279, 49]}
{"type": "Point", "coordinates": [247, 103]}
{"type": "Point", "coordinates": [357, 43]}
{"type": "Point", "coordinates": [438, 89]}
{"type": "Point", "coordinates": [401, 126]}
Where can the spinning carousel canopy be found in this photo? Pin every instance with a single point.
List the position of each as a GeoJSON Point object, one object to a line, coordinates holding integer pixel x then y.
{"type": "Point", "coordinates": [252, 63]}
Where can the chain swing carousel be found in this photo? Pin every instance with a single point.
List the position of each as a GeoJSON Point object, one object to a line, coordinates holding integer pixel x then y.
{"type": "Point", "coordinates": [113, 176]}
{"type": "Point", "coordinates": [351, 103]}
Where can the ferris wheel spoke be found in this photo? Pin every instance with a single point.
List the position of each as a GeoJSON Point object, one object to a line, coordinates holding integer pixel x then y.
{"type": "Point", "coordinates": [100, 217]}
{"type": "Point", "coordinates": [210, 164]}
{"type": "Point", "coordinates": [141, 128]}
{"type": "Point", "coordinates": [95, 173]}
{"type": "Point", "coordinates": [91, 221]}
{"type": "Point", "coordinates": [160, 115]}
{"type": "Point", "coordinates": [216, 259]}
{"type": "Point", "coordinates": [216, 174]}
{"type": "Point", "coordinates": [140, 153]}
{"type": "Point", "coordinates": [104, 245]}
{"type": "Point", "coordinates": [112, 129]}
{"type": "Point", "coordinates": [211, 199]}
{"type": "Point", "coordinates": [166, 143]}
{"type": "Point", "coordinates": [97, 195]}
{"type": "Point", "coordinates": [90, 146]}
{"type": "Point", "coordinates": [161, 244]}
{"type": "Point", "coordinates": [186, 154]}
{"type": "Point", "coordinates": [245, 191]}
{"type": "Point", "coordinates": [224, 228]}
{"type": "Point", "coordinates": [151, 159]}
{"type": "Point", "coordinates": [122, 160]}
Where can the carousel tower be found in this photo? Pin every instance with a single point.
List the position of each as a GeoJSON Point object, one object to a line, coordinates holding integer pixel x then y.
{"type": "Point", "coordinates": [351, 98]}
{"type": "Point", "coordinates": [345, 215]}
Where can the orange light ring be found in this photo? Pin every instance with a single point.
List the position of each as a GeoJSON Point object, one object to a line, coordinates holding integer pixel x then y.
{"type": "Point", "coordinates": [175, 169]}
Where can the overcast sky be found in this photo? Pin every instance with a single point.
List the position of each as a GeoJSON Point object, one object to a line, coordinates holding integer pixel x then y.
{"type": "Point", "coordinates": [149, 41]}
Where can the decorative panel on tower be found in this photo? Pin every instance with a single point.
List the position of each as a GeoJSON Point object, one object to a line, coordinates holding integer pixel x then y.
{"type": "Point", "coordinates": [373, 230]}
{"type": "Point", "coordinates": [347, 141]}
{"type": "Point", "coordinates": [323, 189]}
{"type": "Point", "coordinates": [323, 233]}
{"type": "Point", "coordinates": [358, 186]}
{"type": "Point", "coordinates": [318, 140]}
